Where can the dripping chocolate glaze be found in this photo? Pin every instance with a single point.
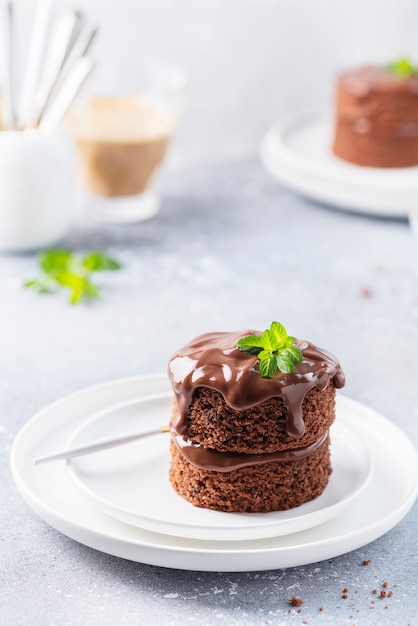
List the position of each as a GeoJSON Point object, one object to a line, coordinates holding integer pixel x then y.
{"type": "Point", "coordinates": [229, 461]}
{"type": "Point", "coordinates": [213, 360]}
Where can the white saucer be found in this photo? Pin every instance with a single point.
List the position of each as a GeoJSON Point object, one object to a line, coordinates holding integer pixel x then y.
{"type": "Point", "coordinates": [50, 492]}
{"type": "Point", "coordinates": [297, 152]}
{"type": "Point", "coordinates": [131, 482]}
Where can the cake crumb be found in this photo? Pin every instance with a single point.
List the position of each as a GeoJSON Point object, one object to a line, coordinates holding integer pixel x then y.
{"type": "Point", "coordinates": [374, 591]}
{"type": "Point", "coordinates": [321, 608]}
{"type": "Point", "coordinates": [345, 590]}
{"type": "Point", "coordinates": [385, 584]}
{"type": "Point", "coordinates": [345, 596]}
{"type": "Point", "coordinates": [386, 606]}
{"type": "Point", "coordinates": [383, 594]}
{"type": "Point", "coordinates": [299, 611]}
{"type": "Point", "coordinates": [390, 594]}
{"type": "Point", "coordinates": [367, 561]}
{"type": "Point", "coordinates": [366, 292]}
{"type": "Point", "coordinates": [294, 601]}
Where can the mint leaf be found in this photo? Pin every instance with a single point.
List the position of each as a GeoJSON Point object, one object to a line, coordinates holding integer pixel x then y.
{"type": "Point", "coordinates": [251, 344]}
{"type": "Point", "coordinates": [402, 68]}
{"type": "Point", "coordinates": [97, 261]}
{"type": "Point", "coordinates": [295, 351]}
{"type": "Point", "coordinates": [268, 364]}
{"type": "Point", "coordinates": [63, 268]}
{"type": "Point", "coordinates": [274, 348]}
{"type": "Point", "coordinates": [279, 332]}
{"type": "Point", "coordinates": [285, 362]}
{"type": "Point", "coordinates": [51, 261]}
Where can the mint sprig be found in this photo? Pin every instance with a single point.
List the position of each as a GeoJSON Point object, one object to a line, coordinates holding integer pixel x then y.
{"type": "Point", "coordinates": [275, 349]}
{"type": "Point", "coordinates": [402, 68]}
{"type": "Point", "coordinates": [63, 268]}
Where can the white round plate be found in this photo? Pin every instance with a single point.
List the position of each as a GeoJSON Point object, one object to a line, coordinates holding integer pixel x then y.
{"type": "Point", "coordinates": [49, 491]}
{"type": "Point", "coordinates": [131, 482]}
{"type": "Point", "coordinates": [297, 152]}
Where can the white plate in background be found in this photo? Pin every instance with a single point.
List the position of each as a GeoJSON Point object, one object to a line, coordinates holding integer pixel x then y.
{"type": "Point", "coordinates": [297, 152]}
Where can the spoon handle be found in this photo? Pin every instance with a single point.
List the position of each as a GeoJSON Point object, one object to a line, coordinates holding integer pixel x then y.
{"type": "Point", "coordinates": [96, 446]}
{"type": "Point", "coordinates": [8, 16]}
{"type": "Point", "coordinates": [76, 78]}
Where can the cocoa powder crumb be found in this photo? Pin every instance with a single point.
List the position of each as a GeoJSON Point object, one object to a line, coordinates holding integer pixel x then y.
{"type": "Point", "coordinates": [345, 590]}
{"type": "Point", "coordinates": [345, 596]}
{"type": "Point", "coordinates": [321, 608]}
{"type": "Point", "coordinates": [382, 594]}
{"type": "Point", "coordinates": [386, 606]}
{"type": "Point", "coordinates": [294, 601]}
{"type": "Point", "coordinates": [299, 611]}
{"type": "Point", "coordinates": [374, 591]}
{"type": "Point", "coordinates": [366, 292]}
{"type": "Point", "coordinates": [390, 594]}
{"type": "Point", "coordinates": [385, 584]}
{"type": "Point", "coordinates": [367, 561]}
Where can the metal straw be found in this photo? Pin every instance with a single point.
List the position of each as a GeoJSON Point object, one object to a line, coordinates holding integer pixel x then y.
{"type": "Point", "coordinates": [97, 446]}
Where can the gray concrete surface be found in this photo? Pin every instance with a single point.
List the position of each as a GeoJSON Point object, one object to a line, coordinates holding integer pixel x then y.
{"type": "Point", "coordinates": [229, 249]}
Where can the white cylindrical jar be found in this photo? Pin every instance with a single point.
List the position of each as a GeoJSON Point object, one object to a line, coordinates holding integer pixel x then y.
{"type": "Point", "coordinates": [37, 189]}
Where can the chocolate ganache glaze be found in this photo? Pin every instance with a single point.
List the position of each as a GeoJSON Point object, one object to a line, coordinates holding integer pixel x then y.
{"type": "Point", "coordinates": [213, 360]}
{"type": "Point", "coordinates": [229, 461]}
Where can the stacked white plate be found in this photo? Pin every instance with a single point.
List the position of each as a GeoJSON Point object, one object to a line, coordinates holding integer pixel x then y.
{"type": "Point", "coordinates": [297, 151]}
{"type": "Point", "coordinates": [120, 500]}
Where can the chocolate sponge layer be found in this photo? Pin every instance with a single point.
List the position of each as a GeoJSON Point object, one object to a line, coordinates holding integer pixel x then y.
{"type": "Point", "coordinates": [262, 488]}
{"type": "Point", "coordinates": [258, 430]}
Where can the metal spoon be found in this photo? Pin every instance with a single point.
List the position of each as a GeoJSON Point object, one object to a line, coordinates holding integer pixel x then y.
{"type": "Point", "coordinates": [96, 446]}
{"type": "Point", "coordinates": [35, 55]}
{"type": "Point", "coordinates": [8, 27]}
{"type": "Point", "coordinates": [77, 75]}
{"type": "Point", "coordinates": [64, 36]}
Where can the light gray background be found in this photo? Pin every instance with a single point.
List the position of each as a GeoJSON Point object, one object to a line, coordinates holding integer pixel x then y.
{"type": "Point", "coordinates": [249, 61]}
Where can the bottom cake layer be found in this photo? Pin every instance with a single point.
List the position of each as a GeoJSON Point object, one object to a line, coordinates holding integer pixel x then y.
{"type": "Point", "coordinates": [374, 149]}
{"type": "Point", "coordinates": [257, 488]}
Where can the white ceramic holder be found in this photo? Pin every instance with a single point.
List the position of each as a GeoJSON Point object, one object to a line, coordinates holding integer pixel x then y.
{"type": "Point", "coordinates": [37, 189]}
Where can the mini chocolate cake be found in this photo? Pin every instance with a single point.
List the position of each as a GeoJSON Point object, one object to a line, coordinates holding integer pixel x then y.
{"type": "Point", "coordinates": [377, 118]}
{"type": "Point", "coordinates": [241, 442]}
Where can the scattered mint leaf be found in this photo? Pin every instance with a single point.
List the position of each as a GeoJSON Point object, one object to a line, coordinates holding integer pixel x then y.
{"type": "Point", "coordinates": [97, 261]}
{"type": "Point", "coordinates": [402, 68]}
{"type": "Point", "coordinates": [274, 348]}
{"type": "Point", "coordinates": [63, 268]}
{"type": "Point", "coordinates": [54, 260]}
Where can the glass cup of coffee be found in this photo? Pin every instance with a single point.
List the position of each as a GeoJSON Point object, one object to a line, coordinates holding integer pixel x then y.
{"type": "Point", "coordinates": [122, 140]}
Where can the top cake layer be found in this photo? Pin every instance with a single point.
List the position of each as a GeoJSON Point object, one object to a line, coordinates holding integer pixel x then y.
{"type": "Point", "coordinates": [213, 361]}
{"type": "Point", "coordinates": [373, 91]}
